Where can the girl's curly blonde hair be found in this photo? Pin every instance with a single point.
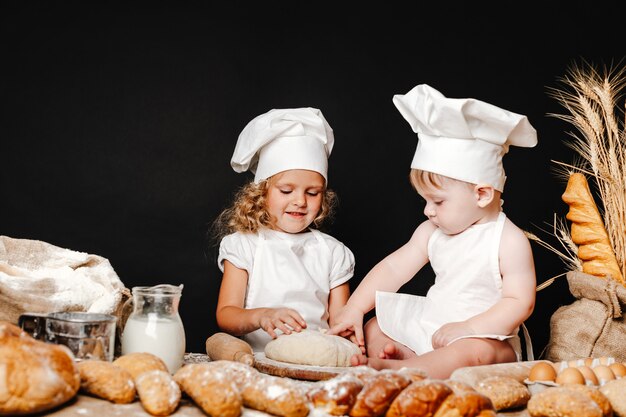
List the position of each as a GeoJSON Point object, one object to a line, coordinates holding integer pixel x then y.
{"type": "Point", "coordinates": [248, 212]}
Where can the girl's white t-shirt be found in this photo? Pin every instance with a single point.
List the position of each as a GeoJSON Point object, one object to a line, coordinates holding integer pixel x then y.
{"type": "Point", "coordinates": [288, 270]}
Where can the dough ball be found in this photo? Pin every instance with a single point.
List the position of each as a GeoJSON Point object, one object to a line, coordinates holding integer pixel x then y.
{"type": "Point", "coordinates": [311, 347]}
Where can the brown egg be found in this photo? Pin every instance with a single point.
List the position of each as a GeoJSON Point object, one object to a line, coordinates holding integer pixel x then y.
{"type": "Point", "coordinates": [575, 363]}
{"type": "Point", "coordinates": [604, 374]}
{"type": "Point", "coordinates": [606, 360]}
{"type": "Point", "coordinates": [542, 371]}
{"type": "Point", "coordinates": [590, 376]}
{"type": "Point", "coordinates": [558, 366]}
{"type": "Point", "coordinates": [588, 361]}
{"type": "Point", "coordinates": [570, 376]}
{"type": "Point", "coordinates": [619, 369]}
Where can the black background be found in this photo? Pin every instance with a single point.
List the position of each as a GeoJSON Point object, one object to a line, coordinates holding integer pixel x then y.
{"type": "Point", "coordinates": [118, 123]}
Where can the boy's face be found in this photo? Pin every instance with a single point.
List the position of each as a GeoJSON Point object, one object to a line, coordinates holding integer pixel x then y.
{"type": "Point", "coordinates": [452, 208]}
{"type": "Point", "coordinates": [294, 199]}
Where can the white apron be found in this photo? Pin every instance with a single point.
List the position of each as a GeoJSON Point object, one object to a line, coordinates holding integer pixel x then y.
{"type": "Point", "coordinates": [282, 277]}
{"type": "Point", "coordinates": [467, 283]}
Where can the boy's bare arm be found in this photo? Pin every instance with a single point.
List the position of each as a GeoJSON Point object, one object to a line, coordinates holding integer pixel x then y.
{"type": "Point", "coordinates": [388, 275]}
{"type": "Point", "coordinates": [518, 286]}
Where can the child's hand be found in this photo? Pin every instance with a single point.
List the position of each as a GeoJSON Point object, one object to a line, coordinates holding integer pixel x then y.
{"type": "Point", "coordinates": [450, 331]}
{"type": "Point", "coordinates": [349, 323]}
{"type": "Point", "coordinates": [284, 319]}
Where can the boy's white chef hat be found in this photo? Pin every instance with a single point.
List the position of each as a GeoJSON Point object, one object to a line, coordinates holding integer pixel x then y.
{"type": "Point", "coordinates": [464, 139]}
{"type": "Point", "coordinates": [282, 139]}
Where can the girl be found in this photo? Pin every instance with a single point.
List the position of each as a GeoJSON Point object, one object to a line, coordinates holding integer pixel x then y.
{"type": "Point", "coordinates": [485, 279]}
{"type": "Point", "coordinates": [280, 274]}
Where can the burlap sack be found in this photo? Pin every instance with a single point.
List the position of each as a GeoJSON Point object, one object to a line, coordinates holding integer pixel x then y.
{"type": "Point", "coordinates": [38, 277]}
{"type": "Point", "coordinates": [592, 326]}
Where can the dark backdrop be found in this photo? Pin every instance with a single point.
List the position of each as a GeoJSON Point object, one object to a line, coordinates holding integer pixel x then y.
{"type": "Point", "coordinates": [118, 123]}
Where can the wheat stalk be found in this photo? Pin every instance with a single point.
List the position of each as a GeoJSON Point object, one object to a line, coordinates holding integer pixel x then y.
{"type": "Point", "coordinates": [591, 98]}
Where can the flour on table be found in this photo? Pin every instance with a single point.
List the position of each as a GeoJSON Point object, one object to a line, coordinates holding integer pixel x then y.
{"type": "Point", "coordinates": [311, 347]}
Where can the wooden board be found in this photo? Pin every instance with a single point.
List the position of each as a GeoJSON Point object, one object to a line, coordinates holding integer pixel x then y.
{"type": "Point", "coordinates": [290, 370]}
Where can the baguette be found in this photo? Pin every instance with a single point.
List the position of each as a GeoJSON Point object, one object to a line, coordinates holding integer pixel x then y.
{"type": "Point", "coordinates": [588, 232]}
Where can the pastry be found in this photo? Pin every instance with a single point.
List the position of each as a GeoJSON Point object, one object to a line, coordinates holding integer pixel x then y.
{"type": "Point", "coordinates": [138, 362]}
{"type": "Point", "coordinates": [34, 376]}
{"type": "Point", "coordinates": [107, 381]}
{"type": "Point", "coordinates": [587, 230]}
{"type": "Point", "coordinates": [158, 392]}
{"type": "Point", "coordinates": [212, 391]}
{"type": "Point", "coordinates": [504, 392]}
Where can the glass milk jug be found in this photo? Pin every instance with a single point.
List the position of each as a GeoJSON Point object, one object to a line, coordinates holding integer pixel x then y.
{"type": "Point", "coordinates": [154, 326]}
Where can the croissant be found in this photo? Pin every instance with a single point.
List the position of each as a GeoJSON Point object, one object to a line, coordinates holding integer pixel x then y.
{"type": "Point", "coordinates": [588, 232]}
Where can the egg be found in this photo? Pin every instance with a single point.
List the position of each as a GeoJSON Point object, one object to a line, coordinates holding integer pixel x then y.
{"type": "Point", "coordinates": [588, 361]}
{"type": "Point", "coordinates": [604, 374]}
{"type": "Point", "coordinates": [542, 371]}
{"type": "Point", "coordinates": [575, 363]}
{"type": "Point", "coordinates": [619, 369]}
{"type": "Point", "coordinates": [570, 376]}
{"type": "Point", "coordinates": [606, 360]}
{"type": "Point", "coordinates": [590, 376]}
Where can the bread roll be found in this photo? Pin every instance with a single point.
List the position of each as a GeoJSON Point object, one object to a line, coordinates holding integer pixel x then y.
{"type": "Point", "coordinates": [158, 392]}
{"type": "Point", "coordinates": [105, 380]}
{"type": "Point", "coordinates": [138, 362]}
{"type": "Point", "coordinates": [34, 376]}
{"type": "Point", "coordinates": [587, 230]}
{"type": "Point", "coordinates": [212, 391]}
{"type": "Point", "coordinates": [275, 395]}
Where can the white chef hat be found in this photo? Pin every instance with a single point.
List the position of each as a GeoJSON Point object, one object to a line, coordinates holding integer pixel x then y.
{"type": "Point", "coordinates": [464, 139]}
{"type": "Point", "coordinates": [282, 139]}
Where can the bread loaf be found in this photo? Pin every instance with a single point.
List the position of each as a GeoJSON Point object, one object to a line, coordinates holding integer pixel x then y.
{"type": "Point", "coordinates": [588, 232]}
{"type": "Point", "coordinates": [34, 376]}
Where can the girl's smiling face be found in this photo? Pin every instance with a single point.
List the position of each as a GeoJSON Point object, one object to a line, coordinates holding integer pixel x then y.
{"type": "Point", "coordinates": [294, 199]}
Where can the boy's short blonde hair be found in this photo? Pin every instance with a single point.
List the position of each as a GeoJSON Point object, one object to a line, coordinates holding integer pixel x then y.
{"type": "Point", "coordinates": [248, 212]}
{"type": "Point", "coordinates": [425, 180]}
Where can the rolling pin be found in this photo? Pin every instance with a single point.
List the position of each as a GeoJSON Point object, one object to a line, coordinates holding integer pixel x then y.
{"type": "Point", "coordinates": [223, 346]}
